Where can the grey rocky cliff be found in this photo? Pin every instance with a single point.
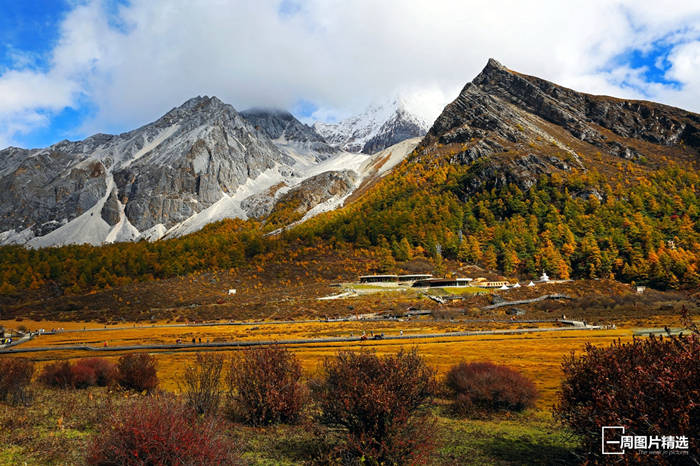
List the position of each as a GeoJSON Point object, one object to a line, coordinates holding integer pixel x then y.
{"type": "Point", "coordinates": [111, 213]}
{"type": "Point", "coordinates": [575, 111]}
{"type": "Point", "coordinates": [43, 189]}
{"type": "Point", "coordinates": [260, 205]}
{"type": "Point", "coordinates": [214, 150]}
{"type": "Point", "coordinates": [512, 128]}
{"type": "Point", "coordinates": [162, 173]}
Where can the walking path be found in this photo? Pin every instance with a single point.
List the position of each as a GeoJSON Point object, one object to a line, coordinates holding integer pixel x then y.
{"type": "Point", "coordinates": [19, 341]}
{"type": "Point", "coordinates": [248, 343]}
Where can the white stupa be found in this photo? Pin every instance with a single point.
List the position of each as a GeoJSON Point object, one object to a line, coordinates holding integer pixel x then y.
{"type": "Point", "coordinates": [504, 287]}
{"type": "Point", "coordinates": [517, 285]}
{"type": "Point", "coordinates": [531, 284]}
{"type": "Point", "coordinates": [544, 277]}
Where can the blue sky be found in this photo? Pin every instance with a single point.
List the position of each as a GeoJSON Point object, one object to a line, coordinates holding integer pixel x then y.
{"type": "Point", "coordinates": [29, 31]}
{"type": "Point", "coordinates": [70, 68]}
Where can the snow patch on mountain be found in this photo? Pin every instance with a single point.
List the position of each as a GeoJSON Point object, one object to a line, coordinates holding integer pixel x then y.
{"type": "Point", "coordinates": [229, 206]}
{"type": "Point", "coordinates": [368, 168]}
{"type": "Point", "coordinates": [89, 227]}
{"type": "Point", "coordinates": [385, 160]}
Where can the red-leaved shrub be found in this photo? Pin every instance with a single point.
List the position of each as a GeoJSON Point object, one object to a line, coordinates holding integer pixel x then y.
{"type": "Point", "coordinates": [265, 387]}
{"type": "Point", "coordinates": [105, 370]}
{"type": "Point", "coordinates": [380, 401]}
{"type": "Point", "coordinates": [82, 376]}
{"type": "Point", "coordinates": [137, 371]}
{"type": "Point", "coordinates": [57, 374]}
{"type": "Point", "coordinates": [651, 387]}
{"type": "Point", "coordinates": [159, 431]}
{"type": "Point", "coordinates": [482, 387]}
{"type": "Point", "coordinates": [15, 375]}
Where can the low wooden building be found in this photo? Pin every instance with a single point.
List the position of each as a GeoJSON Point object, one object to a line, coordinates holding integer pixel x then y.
{"type": "Point", "coordinates": [483, 283]}
{"type": "Point", "coordinates": [441, 282]}
{"type": "Point", "coordinates": [406, 279]}
{"type": "Point", "coordinates": [492, 284]}
{"type": "Point", "coordinates": [379, 279]}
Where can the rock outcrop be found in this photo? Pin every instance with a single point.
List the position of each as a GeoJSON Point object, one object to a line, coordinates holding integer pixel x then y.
{"type": "Point", "coordinates": [316, 190]}
{"type": "Point", "coordinates": [288, 132]}
{"type": "Point", "coordinates": [512, 128]}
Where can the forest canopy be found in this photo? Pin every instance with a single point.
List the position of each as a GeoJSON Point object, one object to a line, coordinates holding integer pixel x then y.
{"type": "Point", "coordinates": [638, 225]}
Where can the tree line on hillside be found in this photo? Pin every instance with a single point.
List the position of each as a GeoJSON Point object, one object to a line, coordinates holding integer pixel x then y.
{"type": "Point", "coordinates": [79, 268]}
{"type": "Point", "coordinates": [636, 226]}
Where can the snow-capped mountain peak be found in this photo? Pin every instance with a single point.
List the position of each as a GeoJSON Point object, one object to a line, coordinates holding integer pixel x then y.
{"type": "Point", "coordinates": [380, 126]}
{"type": "Point", "coordinates": [112, 187]}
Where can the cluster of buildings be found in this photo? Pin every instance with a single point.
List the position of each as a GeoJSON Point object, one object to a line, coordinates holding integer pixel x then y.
{"type": "Point", "coordinates": [428, 281]}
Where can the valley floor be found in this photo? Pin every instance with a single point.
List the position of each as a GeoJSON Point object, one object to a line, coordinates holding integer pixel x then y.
{"type": "Point", "coordinates": [280, 301]}
{"type": "Point", "coordinates": [537, 354]}
{"type": "Point", "coordinates": [52, 431]}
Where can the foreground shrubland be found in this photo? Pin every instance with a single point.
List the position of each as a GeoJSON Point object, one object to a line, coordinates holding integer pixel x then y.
{"type": "Point", "coordinates": [361, 408]}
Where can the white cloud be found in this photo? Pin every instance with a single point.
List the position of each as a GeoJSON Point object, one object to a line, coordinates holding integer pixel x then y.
{"type": "Point", "coordinates": [685, 63]}
{"type": "Point", "coordinates": [341, 55]}
{"type": "Point", "coordinates": [28, 98]}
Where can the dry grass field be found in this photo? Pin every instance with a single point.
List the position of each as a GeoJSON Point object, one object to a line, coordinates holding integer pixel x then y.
{"type": "Point", "coordinates": [538, 355]}
{"type": "Point", "coordinates": [268, 331]}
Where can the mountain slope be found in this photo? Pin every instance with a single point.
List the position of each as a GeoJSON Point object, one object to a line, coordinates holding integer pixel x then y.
{"type": "Point", "coordinates": [379, 127]}
{"type": "Point", "coordinates": [201, 162]}
{"type": "Point", "coordinates": [538, 127]}
{"type": "Point", "coordinates": [522, 175]}
{"type": "Point", "coordinates": [517, 175]}
{"type": "Point", "coordinates": [112, 187]}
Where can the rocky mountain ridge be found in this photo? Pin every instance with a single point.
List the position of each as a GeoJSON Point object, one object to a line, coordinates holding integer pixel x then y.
{"type": "Point", "coordinates": [113, 187]}
{"type": "Point", "coordinates": [512, 128]}
{"type": "Point", "coordinates": [288, 133]}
